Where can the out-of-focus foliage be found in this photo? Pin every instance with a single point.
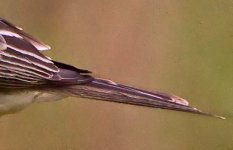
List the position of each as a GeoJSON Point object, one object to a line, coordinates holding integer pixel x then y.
{"type": "Point", "coordinates": [182, 47]}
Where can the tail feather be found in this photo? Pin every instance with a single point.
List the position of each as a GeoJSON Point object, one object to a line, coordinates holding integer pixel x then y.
{"type": "Point", "coordinates": [109, 91]}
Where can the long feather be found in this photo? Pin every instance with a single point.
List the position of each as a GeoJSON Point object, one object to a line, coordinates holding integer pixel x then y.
{"type": "Point", "coordinates": [109, 91]}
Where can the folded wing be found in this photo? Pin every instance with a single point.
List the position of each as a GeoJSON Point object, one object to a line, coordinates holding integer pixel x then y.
{"type": "Point", "coordinates": [21, 62]}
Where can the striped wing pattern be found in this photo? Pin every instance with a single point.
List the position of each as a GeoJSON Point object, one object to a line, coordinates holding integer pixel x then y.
{"type": "Point", "coordinates": [22, 65]}
{"type": "Point", "coordinates": [21, 62]}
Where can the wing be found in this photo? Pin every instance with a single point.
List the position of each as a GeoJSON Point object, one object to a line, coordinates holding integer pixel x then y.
{"type": "Point", "coordinates": [10, 29]}
{"type": "Point", "coordinates": [22, 64]}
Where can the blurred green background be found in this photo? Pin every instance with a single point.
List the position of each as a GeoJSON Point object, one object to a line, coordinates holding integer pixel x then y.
{"type": "Point", "coordinates": [182, 47]}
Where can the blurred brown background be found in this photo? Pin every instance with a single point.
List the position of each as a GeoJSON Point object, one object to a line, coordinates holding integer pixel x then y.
{"type": "Point", "coordinates": [182, 47]}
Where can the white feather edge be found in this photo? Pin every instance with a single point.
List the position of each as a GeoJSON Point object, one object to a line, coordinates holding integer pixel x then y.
{"type": "Point", "coordinates": [39, 46]}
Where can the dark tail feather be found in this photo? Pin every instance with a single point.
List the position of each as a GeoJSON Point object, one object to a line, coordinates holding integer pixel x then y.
{"type": "Point", "coordinates": [109, 91]}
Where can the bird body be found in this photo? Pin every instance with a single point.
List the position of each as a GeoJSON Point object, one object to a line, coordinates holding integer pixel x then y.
{"type": "Point", "coordinates": [11, 101]}
{"type": "Point", "coordinates": [14, 100]}
{"type": "Point", "coordinates": [27, 76]}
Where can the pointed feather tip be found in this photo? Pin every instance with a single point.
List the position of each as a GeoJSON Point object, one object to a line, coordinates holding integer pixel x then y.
{"type": "Point", "coordinates": [210, 114]}
{"type": "Point", "coordinates": [220, 117]}
{"type": "Point", "coordinates": [217, 116]}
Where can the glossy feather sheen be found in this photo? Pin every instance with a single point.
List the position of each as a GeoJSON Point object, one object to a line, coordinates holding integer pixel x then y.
{"type": "Point", "coordinates": [36, 78]}
{"type": "Point", "coordinates": [21, 57]}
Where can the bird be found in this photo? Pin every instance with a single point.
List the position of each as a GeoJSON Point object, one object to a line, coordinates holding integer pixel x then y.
{"type": "Point", "coordinates": [28, 76]}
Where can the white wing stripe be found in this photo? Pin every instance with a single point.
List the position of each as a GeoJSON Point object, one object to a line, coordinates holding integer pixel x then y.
{"type": "Point", "coordinates": [16, 67]}
{"type": "Point", "coordinates": [9, 33]}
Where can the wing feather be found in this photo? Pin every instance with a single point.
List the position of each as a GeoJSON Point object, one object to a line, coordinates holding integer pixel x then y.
{"type": "Point", "coordinates": [19, 31]}
{"type": "Point", "coordinates": [29, 71]}
{"type": "Point", "coordinates": [21, 62]}
{"type": "Point", "coordinates": [23, 65]}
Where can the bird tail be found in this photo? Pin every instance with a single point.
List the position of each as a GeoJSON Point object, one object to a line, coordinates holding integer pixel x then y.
{"type": "Point", "coordinates": [106, 90]}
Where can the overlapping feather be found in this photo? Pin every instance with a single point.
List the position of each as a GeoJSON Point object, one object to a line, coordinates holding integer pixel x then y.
{"type": "Point", "coordinates": [21, 62]}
